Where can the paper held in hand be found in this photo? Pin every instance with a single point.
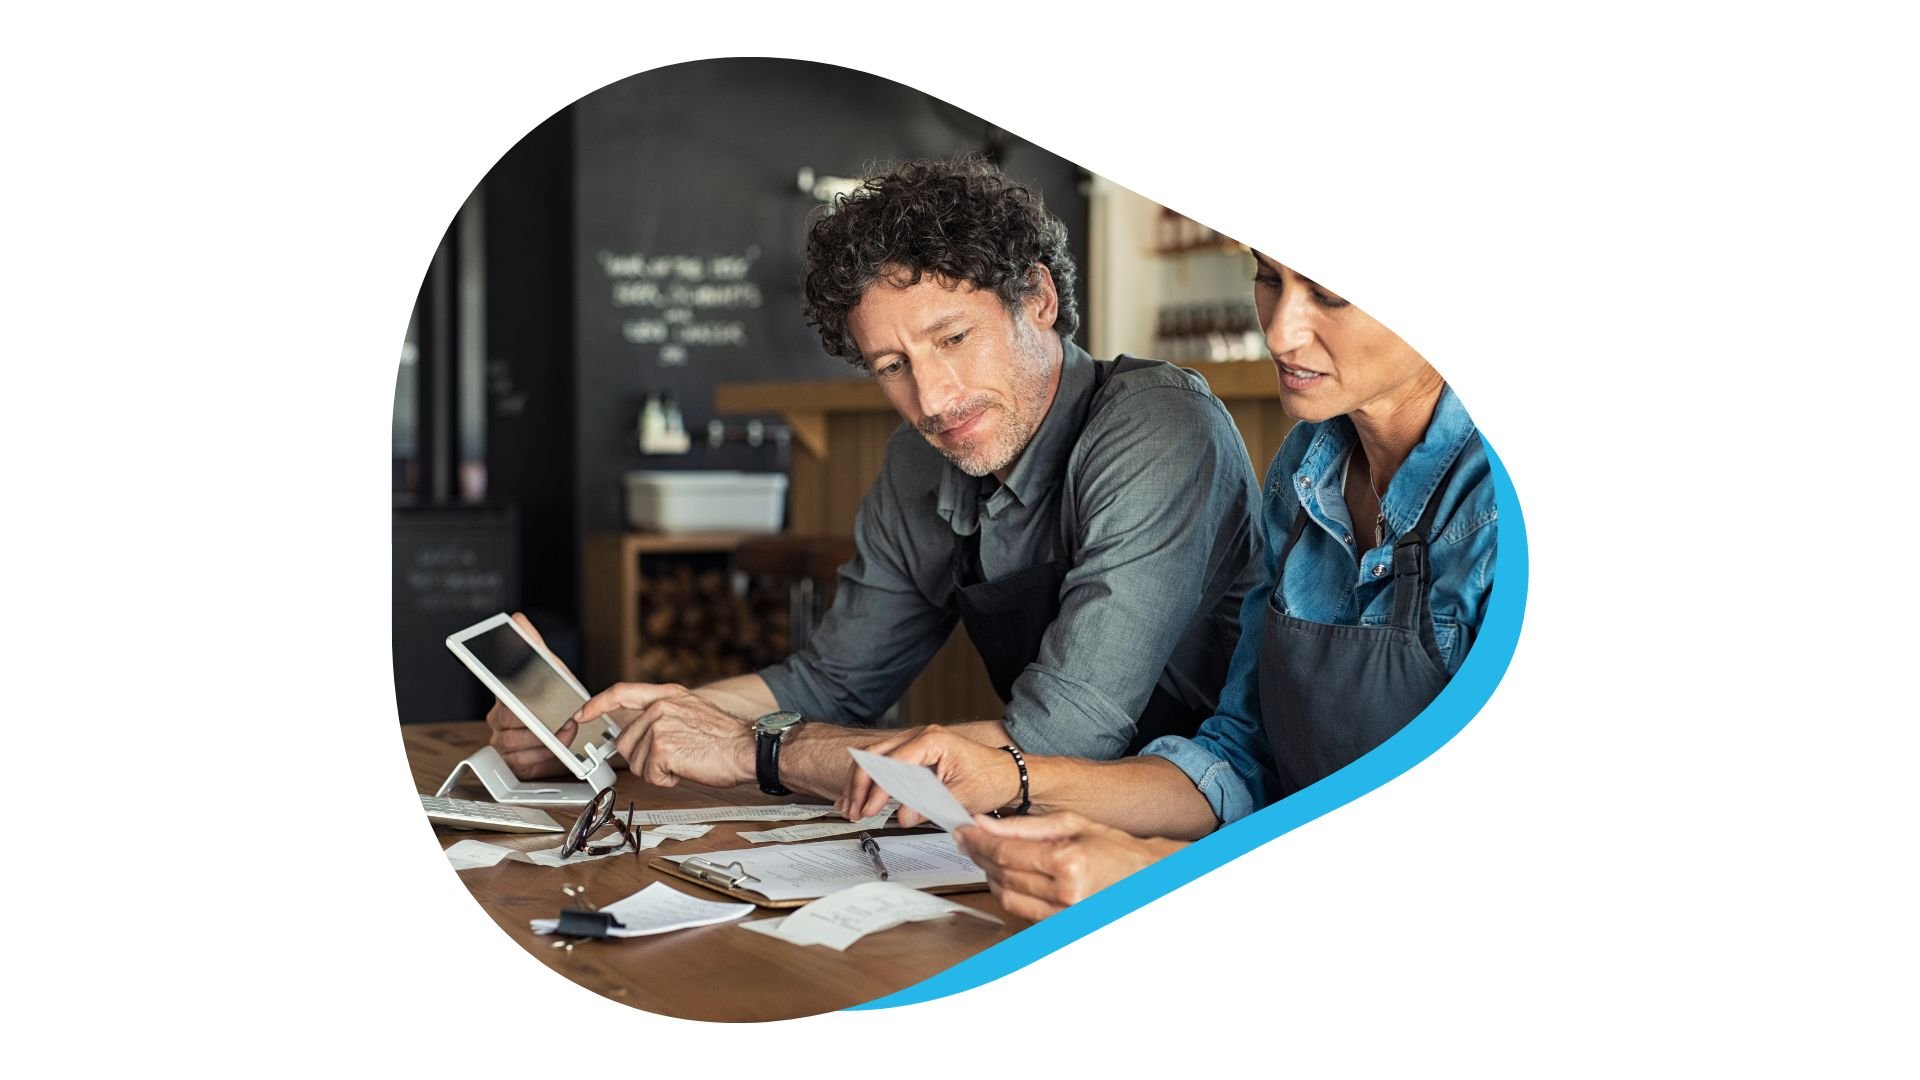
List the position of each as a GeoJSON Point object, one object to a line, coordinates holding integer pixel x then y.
{"type": "Point", "coordinates": [915, 786]}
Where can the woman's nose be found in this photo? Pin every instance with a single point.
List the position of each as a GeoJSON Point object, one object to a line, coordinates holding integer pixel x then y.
{"type": "Point", "coordinates": [1289, 327]}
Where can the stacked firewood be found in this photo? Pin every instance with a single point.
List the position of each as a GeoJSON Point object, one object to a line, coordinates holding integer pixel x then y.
{"type": "Point", "coordinates": [698, 627]}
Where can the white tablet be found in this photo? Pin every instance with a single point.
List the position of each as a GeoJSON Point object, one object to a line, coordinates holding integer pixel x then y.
{"type": "Point", "coordinates": [528, 680]}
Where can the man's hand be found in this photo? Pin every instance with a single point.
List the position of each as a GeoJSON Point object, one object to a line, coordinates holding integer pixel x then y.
{"type": "Point", "coordinates": [1040, 864]}
{"type": "Point", "coordinates": [982, 777]}
{"type": "Point", "coordinates": [669, 735]}
{"type": "Point", "coordinates": [521, 749]}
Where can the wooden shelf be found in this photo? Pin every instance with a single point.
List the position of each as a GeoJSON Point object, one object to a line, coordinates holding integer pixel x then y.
{"type": "Point", "coordinates": [1211, 247]}
{"type": "Point", "coordinates": [666, 543]}
{"type": "Point", "coordinates": [1238, 380]}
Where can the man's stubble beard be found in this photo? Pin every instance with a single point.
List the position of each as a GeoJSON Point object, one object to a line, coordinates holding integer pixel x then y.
{"type": "Point", "coordinates": [1022, 414]}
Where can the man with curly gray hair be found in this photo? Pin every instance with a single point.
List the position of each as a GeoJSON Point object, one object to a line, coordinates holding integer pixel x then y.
{"type": "Point", "coordinates": [1090, 523]}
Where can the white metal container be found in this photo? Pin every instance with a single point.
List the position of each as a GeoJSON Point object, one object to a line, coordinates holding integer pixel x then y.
{"type": "Point", "coordinates": [679, 502]}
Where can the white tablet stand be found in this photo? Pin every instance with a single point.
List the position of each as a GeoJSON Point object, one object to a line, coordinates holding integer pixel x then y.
{"type": "Point", "coordinates": [491, 770]}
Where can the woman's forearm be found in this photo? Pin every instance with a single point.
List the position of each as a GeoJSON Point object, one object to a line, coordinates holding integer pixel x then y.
{"type": "Point", "coordinates": [1145, 796]}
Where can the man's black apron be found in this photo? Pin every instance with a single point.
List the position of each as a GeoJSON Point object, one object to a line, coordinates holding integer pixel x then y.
{"type": "Point", "coordinates": [1330, 693]}
{"type": "Point", "coordinates": [1007, 618]}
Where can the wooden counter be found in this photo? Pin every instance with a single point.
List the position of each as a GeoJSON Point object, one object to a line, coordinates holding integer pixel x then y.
{"type": "Point", "coordinates": [708, 973]}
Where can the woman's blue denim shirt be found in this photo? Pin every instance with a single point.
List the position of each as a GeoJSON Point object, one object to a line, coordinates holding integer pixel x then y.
{"type": "Point", "coordinates": [1329, 580]}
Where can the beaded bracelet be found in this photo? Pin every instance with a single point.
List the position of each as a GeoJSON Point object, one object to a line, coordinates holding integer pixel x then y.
{"type": "Point", "coordinates": [1025, 802]}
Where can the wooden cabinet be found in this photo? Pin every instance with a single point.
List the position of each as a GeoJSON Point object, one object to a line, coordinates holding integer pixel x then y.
{"type": "Point", "coordinates": [954, 685]}
{"type": "Point", "coordinates": [611, 575]}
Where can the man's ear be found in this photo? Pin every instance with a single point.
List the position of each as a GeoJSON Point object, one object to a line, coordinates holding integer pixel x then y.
{"type": "Point", "coordinates": [1043, 303]}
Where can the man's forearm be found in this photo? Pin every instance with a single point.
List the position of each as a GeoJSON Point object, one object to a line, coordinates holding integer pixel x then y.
{"type": "Point", "coordinates": [1146, 796]}
{"type": "Point", "coordinates": [746, 696]}
{"type": "Point", "coordinates": [815, 759]}
{"type": "Point", "coordinates": [984, 732]}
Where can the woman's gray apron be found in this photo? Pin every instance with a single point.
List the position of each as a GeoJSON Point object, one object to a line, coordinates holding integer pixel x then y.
{"type": "Point", "coordinates": [1330, 693]}
{"type": "Point", "coordinates": [1007, 618]}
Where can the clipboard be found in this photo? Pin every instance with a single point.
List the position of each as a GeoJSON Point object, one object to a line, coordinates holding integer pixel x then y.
{"type": "Point", "coordinates": [731, 879]}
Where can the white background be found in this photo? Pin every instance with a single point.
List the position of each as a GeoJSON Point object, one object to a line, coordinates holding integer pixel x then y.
{"type": "Point", "coordinates": [1668, 258]}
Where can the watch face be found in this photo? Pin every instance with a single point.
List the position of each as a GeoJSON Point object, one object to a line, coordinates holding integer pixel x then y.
{"type": "Point", "coordinates": [775, 723]}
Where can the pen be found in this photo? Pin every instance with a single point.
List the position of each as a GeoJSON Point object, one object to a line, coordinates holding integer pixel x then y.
{"type": "Point", "coordinates": [872, 849]}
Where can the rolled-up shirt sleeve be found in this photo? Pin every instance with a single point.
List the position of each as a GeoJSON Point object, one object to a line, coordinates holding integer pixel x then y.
{"type": "Point", "coordinates": [1163, 497]}
{"type": "Point", "coordinates": [882, 627]}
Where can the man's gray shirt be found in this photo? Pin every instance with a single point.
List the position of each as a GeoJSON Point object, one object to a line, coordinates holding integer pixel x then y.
{"type": "Point", "coordinates": [1156, 516]}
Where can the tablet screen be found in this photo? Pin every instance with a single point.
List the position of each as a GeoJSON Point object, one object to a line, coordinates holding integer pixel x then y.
{"type": "Point", "coordinates": [528, 675]}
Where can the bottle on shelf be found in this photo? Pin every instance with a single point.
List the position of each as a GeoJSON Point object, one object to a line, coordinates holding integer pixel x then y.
{"type": "Point", "coordinates": [1189, 234]}
{"type": "Point", "coordinates": [662, 428]}
{"type": "Point", "coordinates": [653, 423]}
{"type": "Point", "coordinates": [676, 423]}
{"type": "Point", "coordinates": [1212, 343]}
{"type": "Point", "coordinates": [1187, 333]}
{"type": "Point", "coordinates": [1167, 231]}
{"type": "Point", "coordinates": [1253, 341]}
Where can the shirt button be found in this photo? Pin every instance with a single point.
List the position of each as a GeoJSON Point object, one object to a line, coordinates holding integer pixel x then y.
{"type": "Point", "coordinates": [1380, 570]}
{"type": "Point", "coordinates": [1305, 483]}
{"type": "Point", "coordinates": [1346, 538]}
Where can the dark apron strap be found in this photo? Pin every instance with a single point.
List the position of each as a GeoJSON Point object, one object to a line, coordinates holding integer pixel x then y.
{"type": "Point", "coordinates": [1412, 569]}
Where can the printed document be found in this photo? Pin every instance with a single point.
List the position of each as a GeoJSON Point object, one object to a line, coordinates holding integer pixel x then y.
{"type": "Point", "coordinates": [845, 917]}
{"type": "Point", "coordinates": [809, 870]}
{"type": "Point", "coordinates": [822, 830]}
{"type": "Point", "coordinates": [657, 909]}
{"type": "Point", "coordinates": [473, 854]}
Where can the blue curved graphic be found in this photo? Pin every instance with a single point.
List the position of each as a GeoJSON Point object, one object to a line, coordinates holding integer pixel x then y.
{"type": "Point", "coordinates": [1469, 689]}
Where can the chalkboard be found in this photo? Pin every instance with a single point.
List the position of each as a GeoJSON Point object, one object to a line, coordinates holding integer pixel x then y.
{"type": "Point", "coordinates": [451, 568]}
{"type": "Point", "coordinates": [690, 227]}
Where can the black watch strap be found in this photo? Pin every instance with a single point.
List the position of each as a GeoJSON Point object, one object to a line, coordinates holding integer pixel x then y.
{"type": "Point", "coordinates": [766, 762]}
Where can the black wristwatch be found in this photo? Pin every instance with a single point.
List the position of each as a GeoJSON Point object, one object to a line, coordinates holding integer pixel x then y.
{"type": "Point", "coordinates": [768, 733]}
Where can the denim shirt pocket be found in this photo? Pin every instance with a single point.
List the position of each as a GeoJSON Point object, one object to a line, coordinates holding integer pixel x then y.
{"type": "Point", "coordinates": [1445, 633]}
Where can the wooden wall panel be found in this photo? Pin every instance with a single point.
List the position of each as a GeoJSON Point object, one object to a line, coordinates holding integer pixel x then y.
{"type": "Point", "coordinates": [1250, 419]}
{"type": "Point", "coordinates": [806, 510]}
{"type": "Point", "coordinates": [953, 687]}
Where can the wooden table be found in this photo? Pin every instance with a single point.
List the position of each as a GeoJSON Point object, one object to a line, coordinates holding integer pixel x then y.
{"type": "Point", "coordinates": [709, 973]}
